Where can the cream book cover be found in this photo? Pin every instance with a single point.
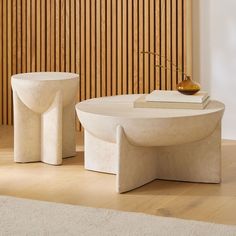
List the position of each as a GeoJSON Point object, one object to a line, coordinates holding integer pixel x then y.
{"type": "Point", "coordinates": [175, 96]}
{"type": "Point", "coordinates": [142, 103]}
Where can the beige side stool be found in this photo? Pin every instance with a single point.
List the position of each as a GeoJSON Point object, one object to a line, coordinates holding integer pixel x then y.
{"type": "Point", "coordinates": [44, 116]}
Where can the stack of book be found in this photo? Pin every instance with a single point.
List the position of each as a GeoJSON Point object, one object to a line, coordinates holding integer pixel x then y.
{"type": "Point", "coordinates": [173, 100]}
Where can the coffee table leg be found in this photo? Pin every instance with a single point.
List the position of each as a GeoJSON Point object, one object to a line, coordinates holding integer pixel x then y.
{"type": "Point", "coordinates": [136, 165]}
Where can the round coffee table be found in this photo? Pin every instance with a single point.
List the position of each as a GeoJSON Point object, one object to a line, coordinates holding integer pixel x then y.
{"type": "Point", "coordinates": [44, 116]}
{"type": "Point", "coordinates": [143, 144]}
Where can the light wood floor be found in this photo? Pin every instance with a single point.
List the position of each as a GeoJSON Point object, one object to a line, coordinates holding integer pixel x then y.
{"type": "Point", "coordinates": [70, 183]}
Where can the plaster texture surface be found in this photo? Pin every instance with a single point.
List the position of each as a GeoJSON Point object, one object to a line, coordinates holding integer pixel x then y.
{"type": "Point", "coordinates": [44, 116]}
{"type": "Point", "coordinates": [142, 144]}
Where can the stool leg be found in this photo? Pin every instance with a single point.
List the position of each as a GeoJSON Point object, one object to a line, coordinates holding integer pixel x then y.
{"type": "Point", "coordinates": [27, 143]}
{"type": "Point", "coordinates": [51, 136]}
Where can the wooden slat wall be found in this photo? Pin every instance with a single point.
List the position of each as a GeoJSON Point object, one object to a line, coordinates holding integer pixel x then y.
{"type": "Point", "coordinates": [102, 40]}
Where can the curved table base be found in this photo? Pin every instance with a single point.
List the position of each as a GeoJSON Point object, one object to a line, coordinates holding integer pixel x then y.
{"type": "Point", "coordinates": [134, 166]}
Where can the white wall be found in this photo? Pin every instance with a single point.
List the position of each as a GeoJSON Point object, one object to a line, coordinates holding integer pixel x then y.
{"type": "Point", "coordinates": [214, 55]}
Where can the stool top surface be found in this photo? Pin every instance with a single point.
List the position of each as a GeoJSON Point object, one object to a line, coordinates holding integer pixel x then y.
{"type": "Point", "coordinates": [122, 106]}
{"type": "Point", "coordinates": [45, 76]}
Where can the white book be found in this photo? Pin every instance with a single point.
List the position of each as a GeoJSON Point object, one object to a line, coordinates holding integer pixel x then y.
{"type": "Point", "coordinates": [175, 96]}
{"type": "Point", "coordinates": [142, 103]}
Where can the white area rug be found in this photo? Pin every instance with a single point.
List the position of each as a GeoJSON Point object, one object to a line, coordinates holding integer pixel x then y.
{"type": "Point", "coordinates": [29, 217]}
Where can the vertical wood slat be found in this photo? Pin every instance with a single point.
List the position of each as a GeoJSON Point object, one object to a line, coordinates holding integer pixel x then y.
{"type": "Point", "coordinates": [9, 61]}
{"type": "Point", "coordinates": [163, 44]}
{"type": "Point", "coordinates": [151, 46]}
{"type": "Point", "coordinates": [188, 36]}
{"type": "Point", "coordinates": [168, 45]}
{"type": "Point", "coordinates": [33, 35]}
{"type": "Point", "coordinates": [24, 35]}
{"type": "Point", "coordinates": [130, 46]}
{"type": "Point", "coordinates": [108, 48]}
{"type": "Point", "coordinates": [77, 39]}
{"type": "Point", "coordinates": [174, 44]}
{"type": "Point", "coordinates": [141, 47]}
{"type": "Point", "coordinates": [114, 47]}
{"type": "Point", "coordinates": [98, 49]}
{"type": "Point", "coordinates": [83, 52]}
{"type": "Point", "coordinates": [52, 35]}
{"type": "Point", "coordinates": [48, 35]}
{"type": "Point", "coordinates": [18, 33]}
{"type": "Point", "coordinates": [67, 36]}
{"type": "Point", "coordinates": [72, 36]}
{"type": "Point", "coordinates": [146, 46]}
{"type": "Point", "coordinates": [185, 16]}
{"type": "Point", "coordinates": [102, 40]}
{"type": "Point", "coordinates": [180, 38]}
{"type": "Point", "coordinates": [103, 47]}
{"type": "Point", "coordinates": [14, 37]}
{"type": "Point", "coordinates": [157, 42]}
{"type": "Point", "coordinates": [28, 36]}
{"type": "Point", "coordinates": [43, 45]}
{"type": "Point", "coordinates": [57, 35]}
{"type": "Point", "coordinates": [38, 35]}
{"type": "Point", "coordinates": [135, 47]}
{"type": "Point", "coordinates": [87, 48]}
{"type": "Point", "coordinates": [124, 47]}
{"type": "Point", "coordinates": [93, 49]}
{"type": "Point", "coordinates": [119, 48]}
{"type": "Point", "coordinates": [1, 64]}
{"type": "Point", "coordinates": [5, 55]}
{"type": "Point", "coordinates": [62, 34]}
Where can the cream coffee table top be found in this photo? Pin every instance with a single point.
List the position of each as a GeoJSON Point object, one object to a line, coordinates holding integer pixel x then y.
{"type": "Point", "coordinates": [147, 126]}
